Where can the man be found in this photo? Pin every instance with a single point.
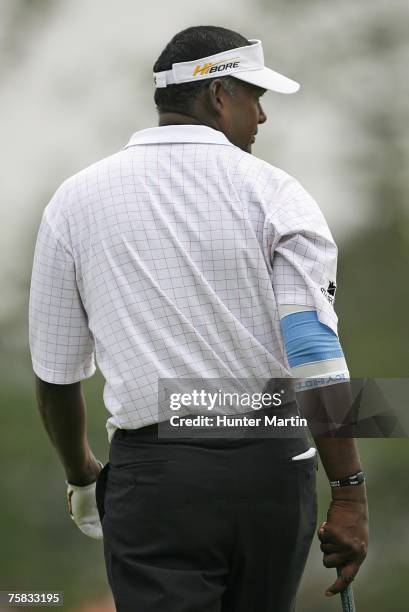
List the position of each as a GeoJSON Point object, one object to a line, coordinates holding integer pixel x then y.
{"type": "Point", "coordinates": [185, 257]}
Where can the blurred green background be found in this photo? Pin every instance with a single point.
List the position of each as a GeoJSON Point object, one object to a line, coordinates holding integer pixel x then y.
{"type": "Point", "coordinates": [75, 83]}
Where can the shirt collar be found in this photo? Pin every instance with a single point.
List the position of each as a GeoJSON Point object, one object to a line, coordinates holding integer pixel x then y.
{"type": "Point", "coordinates": [178, 133]}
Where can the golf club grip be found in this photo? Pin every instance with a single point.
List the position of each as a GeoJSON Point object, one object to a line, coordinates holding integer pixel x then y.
{"type": "Point", "coordinates": [347, 598]}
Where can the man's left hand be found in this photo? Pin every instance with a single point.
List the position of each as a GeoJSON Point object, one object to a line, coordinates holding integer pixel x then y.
{"type": "Point", "coordinates": [82, 507]}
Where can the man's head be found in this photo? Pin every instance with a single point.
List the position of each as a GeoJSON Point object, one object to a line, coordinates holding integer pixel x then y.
{"type": "Point", "coordinates": [224, 103]}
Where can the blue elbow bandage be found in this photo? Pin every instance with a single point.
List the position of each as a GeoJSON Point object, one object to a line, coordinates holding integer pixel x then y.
{"type": "Point", "coordinates": [307, 340]}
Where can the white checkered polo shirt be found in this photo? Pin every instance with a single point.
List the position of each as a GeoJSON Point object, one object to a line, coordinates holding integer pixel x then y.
{"type": "Point", "coordinates": [169, 259]}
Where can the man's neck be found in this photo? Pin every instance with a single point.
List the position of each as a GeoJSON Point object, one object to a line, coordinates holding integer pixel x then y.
{"type": "Point", "coordinates": [183, 119]}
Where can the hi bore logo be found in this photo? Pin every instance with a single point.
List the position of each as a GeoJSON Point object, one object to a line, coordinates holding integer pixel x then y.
{"type": "Point", "coordinates": [216, 66]}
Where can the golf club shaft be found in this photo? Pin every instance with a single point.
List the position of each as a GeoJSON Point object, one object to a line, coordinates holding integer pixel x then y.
{"type": "Point", "coordinates": [347, 597]}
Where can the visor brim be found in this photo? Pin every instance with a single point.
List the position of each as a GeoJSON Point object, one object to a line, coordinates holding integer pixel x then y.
{"type": "Point", "coordinates": [268, 79]}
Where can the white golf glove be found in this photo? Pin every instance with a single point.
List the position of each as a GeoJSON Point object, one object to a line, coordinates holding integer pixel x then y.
{"type": "Point", "coordinates": [82, 507]}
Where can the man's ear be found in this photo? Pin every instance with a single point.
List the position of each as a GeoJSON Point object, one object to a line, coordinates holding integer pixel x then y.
{"type": "Point", "coordinates": [217, 96]}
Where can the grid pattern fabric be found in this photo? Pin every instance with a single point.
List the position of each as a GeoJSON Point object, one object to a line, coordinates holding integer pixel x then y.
{"type": "Point", "coordinates": [169, 259]}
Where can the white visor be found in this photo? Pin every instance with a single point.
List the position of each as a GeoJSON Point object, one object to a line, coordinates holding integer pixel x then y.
{"type": "Point", "coordinates": [244, 63]}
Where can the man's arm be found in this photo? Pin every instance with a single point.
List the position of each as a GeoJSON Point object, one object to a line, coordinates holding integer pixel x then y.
{"type": "Point", "coordinates": [304, 262]}
{"type": "Point", "coordinates": [62, 353]}
{"type": "Point", "coordinates": [63, 411]}
{"type": "Point", "coordinates": [344, 535]}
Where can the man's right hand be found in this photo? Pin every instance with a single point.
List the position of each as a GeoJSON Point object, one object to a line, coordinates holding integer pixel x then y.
{"type": "Point", "coordinates": [344, 536]}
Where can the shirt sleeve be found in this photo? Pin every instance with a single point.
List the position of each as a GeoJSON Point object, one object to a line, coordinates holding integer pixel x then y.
{"type": "Point", "coordinates": [61, 344]}
{"type": "Point", "coordinates": [304, 262]}
{"type": "Point", "coordinates": [303, 254]}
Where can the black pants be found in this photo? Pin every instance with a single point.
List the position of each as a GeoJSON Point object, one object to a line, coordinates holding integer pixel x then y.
{"type": "Point", "coordinates": [218, 525]}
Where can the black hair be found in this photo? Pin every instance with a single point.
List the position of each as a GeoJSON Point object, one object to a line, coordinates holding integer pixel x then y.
{"type": "Point", "coordinates": [191, 44]}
